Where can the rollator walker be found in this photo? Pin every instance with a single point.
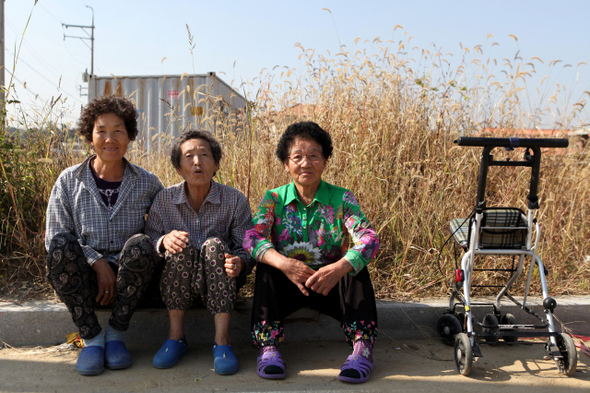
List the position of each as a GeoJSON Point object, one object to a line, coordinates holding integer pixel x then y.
{"type": "Point", "coordinates": [508, 232]}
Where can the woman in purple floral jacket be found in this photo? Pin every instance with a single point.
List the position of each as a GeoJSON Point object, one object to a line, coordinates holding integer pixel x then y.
{"type": "Point", "coordinates": [301, 238]}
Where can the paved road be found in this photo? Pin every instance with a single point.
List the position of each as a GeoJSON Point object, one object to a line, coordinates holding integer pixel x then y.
{"type": "Point", "coordinates": [408, 366]}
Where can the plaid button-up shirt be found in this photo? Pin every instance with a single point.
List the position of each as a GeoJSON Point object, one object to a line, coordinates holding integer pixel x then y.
{"type": "Point", "coordinates": [225, 213]}
{"type": "Point", "coordinates": [75, 206]}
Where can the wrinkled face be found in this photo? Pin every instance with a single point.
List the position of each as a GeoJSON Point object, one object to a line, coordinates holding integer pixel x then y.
{"type": "Point", "coordinates": [305, 163]}
{"type": "Point", "coordinates": [110, 138]}
{"type": "Point", "coordinates": [197, 165]}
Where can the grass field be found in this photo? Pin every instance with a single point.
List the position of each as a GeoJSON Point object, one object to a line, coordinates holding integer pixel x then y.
{"type": "Point", "coordinates": [393, 120]}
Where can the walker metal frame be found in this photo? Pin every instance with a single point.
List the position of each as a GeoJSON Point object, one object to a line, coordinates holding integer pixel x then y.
{"type": "Point", "coordinates": [457, 325]}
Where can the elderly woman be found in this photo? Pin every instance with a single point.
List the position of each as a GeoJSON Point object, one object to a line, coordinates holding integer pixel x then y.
{"type": "Point", "coordinates": [300, 239]}
{"type": "Point", "coordinates": [97, 252]}
{"type": "Point", "coordinates": [198, 226]}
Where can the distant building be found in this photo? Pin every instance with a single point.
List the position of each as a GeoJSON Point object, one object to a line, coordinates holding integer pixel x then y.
{"type": "Point", "coordinates": [579, 138]}
{"type": "Point", "coordinates": [168, 105]}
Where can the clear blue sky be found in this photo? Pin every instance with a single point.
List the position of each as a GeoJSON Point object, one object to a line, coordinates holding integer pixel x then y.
{"type": "Point", "coordinates": [237, 39]}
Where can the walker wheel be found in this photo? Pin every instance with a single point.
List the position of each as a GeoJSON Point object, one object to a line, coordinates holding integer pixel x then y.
{"type": "Point", "coordinates": [567, 365]}
{"type": "Point", "coordinates": [509, 319]}
{"type": "Point", "coordinates": [463, 354]}
{"type": "Point", "coordinates": [490, 319]}
{"type": "Point", "coordinates": [448, 327]}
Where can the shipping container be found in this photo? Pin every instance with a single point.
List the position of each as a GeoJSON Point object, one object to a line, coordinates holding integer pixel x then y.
{"type": "Point", "coordinates": [171, 104]}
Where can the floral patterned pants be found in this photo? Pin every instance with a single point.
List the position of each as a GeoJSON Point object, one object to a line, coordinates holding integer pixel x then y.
{"type": "Point", "coordinates": [192, 273]}
{"type": "Point", "coordinates": [351, 302]}
{"type": "Point", "coordinates": [76, 284]}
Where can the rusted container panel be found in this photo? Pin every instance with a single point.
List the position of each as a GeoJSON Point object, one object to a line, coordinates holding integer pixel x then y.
{"type": "Point", "coordinates": [169, 105]}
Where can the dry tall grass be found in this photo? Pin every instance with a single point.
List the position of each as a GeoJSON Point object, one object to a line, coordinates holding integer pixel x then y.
{"type": "Point", "coordinates": [393, 120]}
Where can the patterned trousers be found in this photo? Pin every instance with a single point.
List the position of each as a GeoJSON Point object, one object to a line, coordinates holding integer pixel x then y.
{"type": "Point", "coordinates": [76, 284]}
{"type": "Point", "coordinates": [192, 273]}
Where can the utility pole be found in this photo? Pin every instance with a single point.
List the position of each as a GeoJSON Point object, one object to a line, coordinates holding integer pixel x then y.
{"type": "Point", "coordinates": [90, 36]}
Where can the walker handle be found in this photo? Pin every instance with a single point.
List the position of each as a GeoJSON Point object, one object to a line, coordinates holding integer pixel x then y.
{"type": "Point", "coordinates": [512, 142]}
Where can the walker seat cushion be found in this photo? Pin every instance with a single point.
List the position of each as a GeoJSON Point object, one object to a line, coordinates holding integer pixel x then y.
{"type": "Point", "coordinates": [459, 227]}
{"type": "Point", "coordinates": [501, 228]}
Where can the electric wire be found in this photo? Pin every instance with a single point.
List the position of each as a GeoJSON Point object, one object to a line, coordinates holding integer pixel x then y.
{"type": "Point", "coordinates": [59, 88]}
{"type": "Point", "coordinates": [50, 14]}
{"type": "Point", "coordinates": [19, 81]}
{"type": "Point", "coordinates": [32, 51]}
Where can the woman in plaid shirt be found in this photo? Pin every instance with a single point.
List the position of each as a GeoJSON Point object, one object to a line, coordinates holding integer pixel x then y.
{"type": "Point", "coordinates": [97, 252]}
{"type": "Point", "coordinates": [198, 226]}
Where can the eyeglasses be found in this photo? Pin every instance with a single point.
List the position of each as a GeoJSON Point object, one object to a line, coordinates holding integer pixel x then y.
{"type": "Point", "coordinates": [298, 158]}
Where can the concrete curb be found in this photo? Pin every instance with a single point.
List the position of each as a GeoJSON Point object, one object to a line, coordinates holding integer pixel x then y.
{"type": "Point", "coordinates": [47, 323]}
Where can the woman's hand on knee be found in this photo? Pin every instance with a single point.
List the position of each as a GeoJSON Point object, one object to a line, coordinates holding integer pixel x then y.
{"type": "Point", "coordinates": [298, 272]}
{"type": "Point", "coordinates": [175, 241]}
{"type": "Point", "coordinates": [233, 265]}
{"type": "Point", "coordinates": [328, 276]}
{"type": "Point", "coordinates": [105, 276]}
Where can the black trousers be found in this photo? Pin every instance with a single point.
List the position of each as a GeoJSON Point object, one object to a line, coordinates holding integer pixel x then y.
{"type": "Point", "coordinates": [76, 284]}
{"type": "Point", "coordinates": [351, 302]}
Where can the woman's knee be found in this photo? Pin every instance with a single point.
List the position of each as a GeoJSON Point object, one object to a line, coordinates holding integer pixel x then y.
{"type": "Point", "coordinates": [178, 268]}
{"type": "Point", "coordinates": [186, 257]}
{"type": "Point", "coordinates": [67, 268]}
{"type": "Point", "coordinates": [213, 253]}
{"type": "Point", "coordinates": [214, 246]}
{"type": "Point", "coordinates": [139, 244]}
{"type": "Point", "coordinates": [64, 250]}
{"type": "Point", "coordinates": [138, 238]}
{"type": "Point", "coordinates": [62, 240]}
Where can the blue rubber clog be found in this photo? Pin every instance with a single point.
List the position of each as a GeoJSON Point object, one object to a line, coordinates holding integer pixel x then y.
{"type": "Point", "coordinates": [225, 361]}
{"type": "Point", "coordinates": [90, 361]}
{"type": "Point", "coordinates": [117, 355]}
{"type": "Point", "coordinates": [170, 353]}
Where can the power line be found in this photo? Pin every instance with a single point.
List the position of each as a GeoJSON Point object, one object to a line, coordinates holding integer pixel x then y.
{"type": "Point", "coordinates": [39, 60]}
{"type": "Point", "coordinates": [50, 14]}
{"type": "Point", "coordinates": [71, 54]}
{"type": "Point", "coordinates": [32, 51]}
{"type": "Point", "coordinates": [21, 82]}
{"type": "Point", "coordinates": [59, 88]}
{"type": "Point", "coordinates": [32, 103]}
